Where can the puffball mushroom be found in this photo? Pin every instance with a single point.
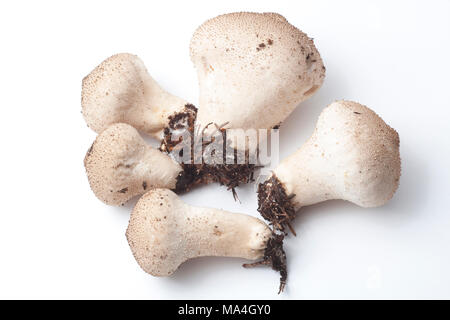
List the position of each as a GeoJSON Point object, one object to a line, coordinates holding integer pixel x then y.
{"type": "Point", "coordinates": [352, 155]}
{"type": "Point", "coordinates": [120, 165]}
{"type": "Point", "coordinates": [253, 69]}
{"type": "Point", "coordinates": [120, 89]}
{"type": "Point", "coordinates": [164, 232]}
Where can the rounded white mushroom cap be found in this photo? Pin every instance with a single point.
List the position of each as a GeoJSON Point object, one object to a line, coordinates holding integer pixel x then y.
{"type": "Point", "coordinates": [121, 90]}
{"type": "Point", "coordinates": [352, 155]}
{"type": "Point", "coordinates": [120, 165]}
{"type": "Point", "coordinates": [253, 69]}
{"type": "Point", "coordinates": [163, 232]}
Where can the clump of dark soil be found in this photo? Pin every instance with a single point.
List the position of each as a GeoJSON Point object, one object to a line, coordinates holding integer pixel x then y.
{"type": "Point", "coordinates": [275, 257]}
{"type": "Point", "coordinates": [204, 166]}
{"type": "Point", "coordinates": [275, 205]}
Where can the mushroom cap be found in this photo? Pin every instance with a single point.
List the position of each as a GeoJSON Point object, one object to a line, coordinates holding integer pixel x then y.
{"type": "Point", "coordinates": [120, 165]}
{"type": "Point", "coordinates": [112, 89]}
{"type": "Point", "coordinates": [352, 155]}
{"type": "Point", "coordinates": [153, 233]}
{"type": "Point", "coordinates": [253, 69]}
{"type": "Point", "coordinates": [120, 89]}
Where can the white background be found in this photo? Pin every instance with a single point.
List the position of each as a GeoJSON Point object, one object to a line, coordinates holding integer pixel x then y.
{"type": "Point", "coordinates": [58, 241]}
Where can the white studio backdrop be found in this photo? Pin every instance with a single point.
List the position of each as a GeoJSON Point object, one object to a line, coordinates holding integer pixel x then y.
{"type": "Point", "coordinates": [58, 241]}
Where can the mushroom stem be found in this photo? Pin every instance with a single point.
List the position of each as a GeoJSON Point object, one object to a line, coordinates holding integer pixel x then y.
{"type": "Point", "coordinates": [164, 232]}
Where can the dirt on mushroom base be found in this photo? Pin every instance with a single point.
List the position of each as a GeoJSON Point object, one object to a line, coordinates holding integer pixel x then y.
{"type": "Point", "coordinates": [199, 172]}
{"type": "Point", "coordinates": [275, 257]}
{"type": "Point", "coordinates": [275, 205]}
{"type": "Point", "coordinates": [184, 120]}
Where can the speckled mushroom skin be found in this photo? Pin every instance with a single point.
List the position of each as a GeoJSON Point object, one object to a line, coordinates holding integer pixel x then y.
{"type": "Point", "coordinates": [120, 165]}
{"type": "Point", "coordinates": [253, 69]}
{"type": "Point", "coordinates": [352, 155]}
{"type": "Point", "coordinates": [163, 232]}
{"type": "Point", "coordinates": [120, 89]}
